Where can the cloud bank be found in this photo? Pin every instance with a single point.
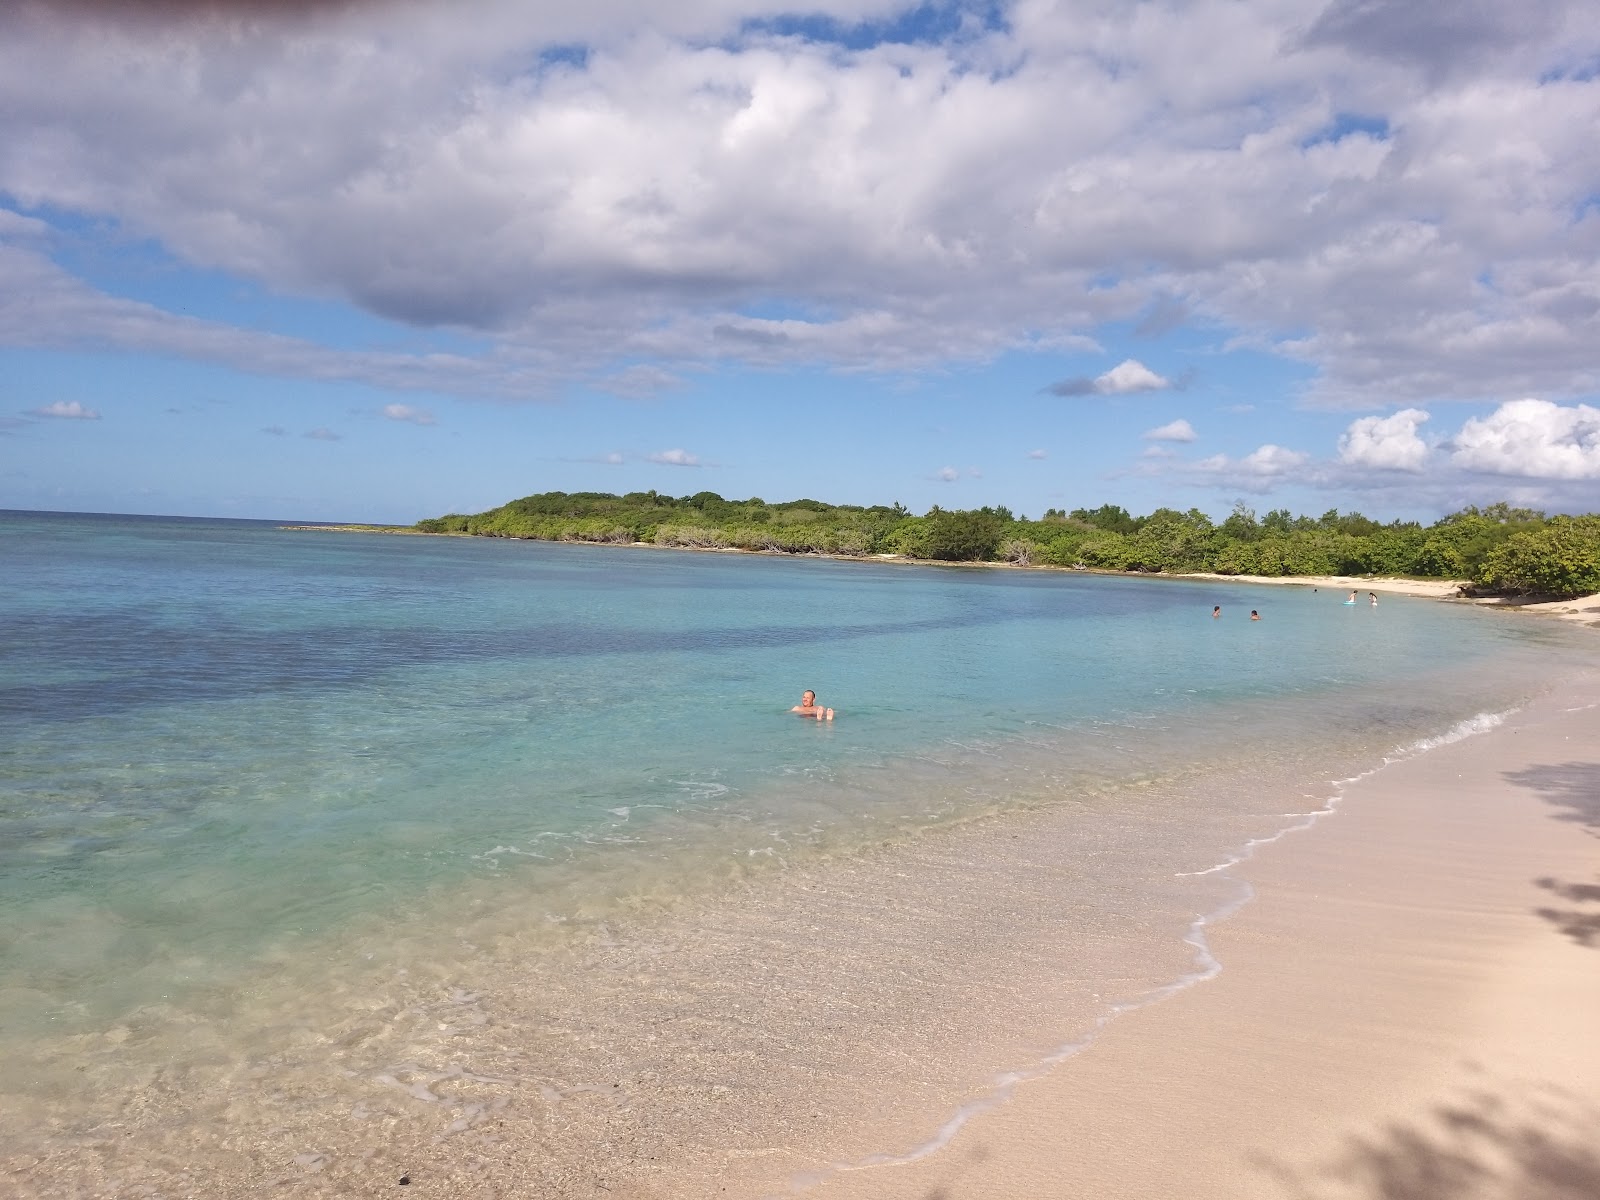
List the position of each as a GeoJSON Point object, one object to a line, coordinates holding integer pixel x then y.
{"type": "Point", "coordinates": [1400, 196]}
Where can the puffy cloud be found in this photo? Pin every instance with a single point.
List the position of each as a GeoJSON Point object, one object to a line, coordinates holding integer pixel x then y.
{"type": "Point", "coordinates": [619, 206]}
{"type": "Point", "coordinates": [1259, 471]}
{"type": "Point", "coordinates": [1388, 443]}
{"type": "Point", "coordinates": [1533, 438]}
{"type": "Point", "coordinates": [947, 474]}
{"type": "Point", "coordinates": [675, 458]}
{"type": "Point", "coordinates": [68, 410]}
{"type": "Point", "coordinates": [612, 460]}
{"type": "Point", "coordinates": [1126, 377]}
{"type": "Point", "coordinates": [405, 412]}
{"type": "Point", "coordinates": [1038, 454]}
{"type": "Point", "coordinates": [1173, 431]}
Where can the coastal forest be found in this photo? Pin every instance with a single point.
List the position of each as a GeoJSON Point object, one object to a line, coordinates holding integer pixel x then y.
{"type": "Point", "coordinates": [1497, 549]}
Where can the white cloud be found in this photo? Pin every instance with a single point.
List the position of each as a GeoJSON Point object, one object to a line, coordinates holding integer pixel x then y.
{"type": "Point", "coordinates": [68, 410]}
{"type": "Point", "coordinates": [1038, 454]}
{"type": "Point", "coordinates": [1533, 438]}
{"type": "Point", "coordinates": [613, 459]}
{"type": "Point", "coordinates": [947, 474]}
{"type": "Point", "coordinates": [675, 458]}
{"type": "Point", "coordinates": [1387, 443]}
{"type": "Point", "coordinates": [322, 434]}
{"type": "Point", "coordinates": [1126, 378]}
{"type": "Point", "coordinates": [1130, 376]}
{"type": "Point", "coordinates": [405, 412]}
{"type": "Point", "coordinates": [1173, 431]}
{"type": "Point", "coordinates": [613, 219]}
{"type": "Point", "coordinates": [1259, 471]}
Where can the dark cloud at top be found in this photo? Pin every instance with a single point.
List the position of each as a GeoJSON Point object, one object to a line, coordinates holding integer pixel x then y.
{"type": "Point", "coordinates": [1441, 38]}
{"type": "Point", "coordinates": [167, 11]}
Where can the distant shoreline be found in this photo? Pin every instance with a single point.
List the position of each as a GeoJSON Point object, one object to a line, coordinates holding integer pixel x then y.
{"type": "Point", "coordinates": [1582, 609]}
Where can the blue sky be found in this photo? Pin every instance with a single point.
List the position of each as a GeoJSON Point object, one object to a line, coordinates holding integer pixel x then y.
{"type": "Point", "coordinates": [369, 262]}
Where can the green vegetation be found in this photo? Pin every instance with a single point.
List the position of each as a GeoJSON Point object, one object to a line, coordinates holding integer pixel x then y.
{"type": "Point", "coordinates": [1497, 549]}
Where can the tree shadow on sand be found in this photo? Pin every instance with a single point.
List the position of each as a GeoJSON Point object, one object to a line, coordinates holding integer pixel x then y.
{"type": "Point", "coordinates": [1574, 790]}
{"type": "Point", "coordinates": [1573, 787]}
{"type": "Point", "coordinates": [1486, 1146]}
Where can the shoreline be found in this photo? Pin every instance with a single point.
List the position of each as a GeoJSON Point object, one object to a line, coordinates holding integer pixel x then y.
{"type": "Point", "coordinates": [1410, 991]}
{"type": "Point", "coordinates": [930, 979]}
{"type": "Point", "coordinates": [1582, 609]}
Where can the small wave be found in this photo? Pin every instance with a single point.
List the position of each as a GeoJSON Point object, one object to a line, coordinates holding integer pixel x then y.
{"type": "Point", "coordinates": [1461, 730]}
{"type": "Point", "coordinates": [499, 850]}
{"type": "Point", "coordinates": [1003, 1086]}
{"type": "Point", "coordinates": [702, 789]}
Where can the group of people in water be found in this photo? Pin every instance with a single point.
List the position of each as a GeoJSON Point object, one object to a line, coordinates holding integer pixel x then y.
{"type": "Point", "coordinates": [1216, 609]}
{"type": "Point", "coordinates": [1216, 612]}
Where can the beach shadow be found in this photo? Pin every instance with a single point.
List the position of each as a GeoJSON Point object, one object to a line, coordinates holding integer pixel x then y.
{"type": "Point", "coordinates": [1574, 789]}
{"type": "Point", "coordinates": [1536, 1144]}
{"type": "Point", "coordinates": [1581, 926]}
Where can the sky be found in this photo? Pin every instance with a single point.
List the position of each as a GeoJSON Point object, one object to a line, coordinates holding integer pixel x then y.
{"type": "Point", "coordinates": [381, 261]}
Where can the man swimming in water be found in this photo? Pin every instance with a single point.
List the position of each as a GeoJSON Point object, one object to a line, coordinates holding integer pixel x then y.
{"type": "Point", "coordinates": [808, 707]}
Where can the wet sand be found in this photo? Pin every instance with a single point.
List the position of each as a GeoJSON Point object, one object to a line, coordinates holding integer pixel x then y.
{"type": "Point", "coordinates": [1408, 1010]}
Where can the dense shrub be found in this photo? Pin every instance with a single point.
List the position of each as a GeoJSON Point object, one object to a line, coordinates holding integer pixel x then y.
{"type": "Point", "coordinates": [1500, 548]}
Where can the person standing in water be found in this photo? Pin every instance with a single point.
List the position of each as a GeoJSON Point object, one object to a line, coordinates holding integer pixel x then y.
{"type": "Point", "coordinates": [1374, 596]}
{"type": "Point", "coordinates": [1254, 615]}
{"type": "Point", "coordinates": [1216, 611]}
{"type": "Point", "coordinates": [808, 707]}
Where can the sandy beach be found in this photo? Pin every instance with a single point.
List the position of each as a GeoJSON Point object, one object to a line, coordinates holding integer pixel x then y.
{"type": "Point", "coordinates": [1438, 589]}
{"type": "Point", "coordinates": [1407, 1010]}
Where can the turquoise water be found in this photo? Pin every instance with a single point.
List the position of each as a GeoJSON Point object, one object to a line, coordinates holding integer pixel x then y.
{"type": "Point", "coordinates": [218, 735]}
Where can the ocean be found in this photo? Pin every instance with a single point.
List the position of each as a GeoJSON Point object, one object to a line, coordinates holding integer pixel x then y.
{"type": "Point", "coordinates": [319, 849]}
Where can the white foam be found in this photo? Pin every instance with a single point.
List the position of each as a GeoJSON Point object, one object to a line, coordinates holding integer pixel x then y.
{"type": "Point", "coordinates": [493, 855]}
{"type": "Point", "coordinates": [1482, 723]}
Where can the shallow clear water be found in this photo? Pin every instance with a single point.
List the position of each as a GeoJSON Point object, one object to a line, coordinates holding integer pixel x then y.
{"type": "Point", "coordinates": [220, 740]}
{"type": "Point", "coordinates": [215, 732]}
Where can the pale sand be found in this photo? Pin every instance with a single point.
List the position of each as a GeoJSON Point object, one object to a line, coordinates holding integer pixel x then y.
{"type": "Point", "coordinates": [1585, 609]}
{"type": "Point", "coordinates": [1434, 588]}
{"type": "Point", "coordinates": [1409, 1010]}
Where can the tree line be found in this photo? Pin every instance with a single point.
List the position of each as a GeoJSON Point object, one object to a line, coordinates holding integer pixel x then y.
{"type": "Point", "coordinates": [1496, 549]}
